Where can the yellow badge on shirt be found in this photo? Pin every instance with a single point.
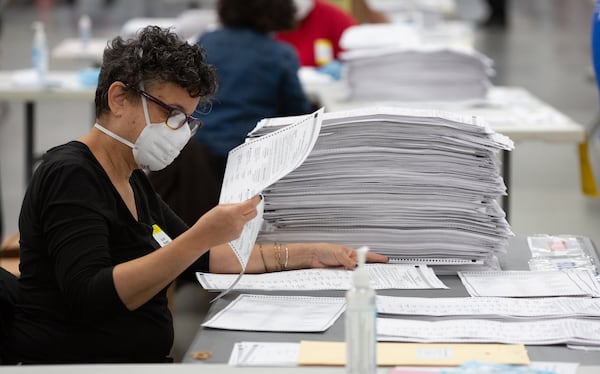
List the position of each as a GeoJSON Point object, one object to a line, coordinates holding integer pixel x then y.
{"type": "Point", "coordinates": [160, 236]}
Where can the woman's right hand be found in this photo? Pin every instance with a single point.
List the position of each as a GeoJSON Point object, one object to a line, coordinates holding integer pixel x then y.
{"type": "Point", "coordinates": [225, 222]}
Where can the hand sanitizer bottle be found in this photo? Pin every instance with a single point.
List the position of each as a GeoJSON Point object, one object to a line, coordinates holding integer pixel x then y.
{"type": "Point", "coordinates": [39, 52]}
{"type": "Point", "coordinates": [361, 338]}
{"type": "Point", "coordinates": [85, 30]}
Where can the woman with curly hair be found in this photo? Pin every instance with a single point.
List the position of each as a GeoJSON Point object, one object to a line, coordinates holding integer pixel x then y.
{"type": "Point", "coordinates": [98, 246]}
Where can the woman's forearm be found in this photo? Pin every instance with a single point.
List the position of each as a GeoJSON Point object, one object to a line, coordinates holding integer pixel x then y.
{"type": "Point", "coordinates": [138, 280]}
{"type": "Point", "coordinates": [265, 258]}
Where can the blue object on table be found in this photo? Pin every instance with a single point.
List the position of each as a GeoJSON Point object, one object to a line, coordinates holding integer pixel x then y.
{"type": "Point", "coordinates": [333, 69]}
{"type": "Point", "coordinates": [476, 367]}
{"type": "Point", "coordinates": [88, 77]}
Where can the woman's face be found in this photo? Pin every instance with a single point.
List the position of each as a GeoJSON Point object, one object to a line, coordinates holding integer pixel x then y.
{"type": "Point", "coordinates": [169, 94]}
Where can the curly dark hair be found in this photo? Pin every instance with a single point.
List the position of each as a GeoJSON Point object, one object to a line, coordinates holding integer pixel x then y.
{"type": "Point", "coordinates": [155, 54]}
{"type": "Point", "coordinates": [259, 15]}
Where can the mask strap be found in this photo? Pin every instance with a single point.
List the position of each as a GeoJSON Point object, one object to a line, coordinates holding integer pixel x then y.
{"type": "Point", "coordinates": [113, 135]}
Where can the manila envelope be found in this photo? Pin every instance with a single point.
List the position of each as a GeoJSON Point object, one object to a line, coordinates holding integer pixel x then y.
{"type": "Point", "coordinates": [416, 354]}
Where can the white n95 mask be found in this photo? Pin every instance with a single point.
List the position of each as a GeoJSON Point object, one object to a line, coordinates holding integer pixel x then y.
{"type": "Point", "coordinates": [157, 146]}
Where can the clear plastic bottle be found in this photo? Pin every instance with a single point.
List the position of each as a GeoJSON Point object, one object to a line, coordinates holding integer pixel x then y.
{"type": "Point", "coordinates": [361, 310]}
{"type": "Point", "coordinates": [85, 30]}
{"type": "Point", "coordinates": [39, 52]}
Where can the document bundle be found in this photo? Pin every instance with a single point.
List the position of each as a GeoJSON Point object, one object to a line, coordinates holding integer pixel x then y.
{"type": "Point", "coordinates": [278, 313]}
{"type": "Point", "coordinates": [541, 283]}
{"type": "Point", "coordinates": [574, 331]}
{"type": "Point", "coordinates": [417, 185]}
{"type": "Point", "coordinates": [420, 73]}
{"type": "Point", "coordinates": [382, 276]}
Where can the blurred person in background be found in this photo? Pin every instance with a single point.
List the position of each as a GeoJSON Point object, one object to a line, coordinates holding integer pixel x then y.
{"type": "Point", "coordinates": [319, 29]}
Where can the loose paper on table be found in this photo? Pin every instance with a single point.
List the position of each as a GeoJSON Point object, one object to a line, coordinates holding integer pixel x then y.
{"type": "Point", "coordinates": [383, 276]}
{"type": "Point", "coordinates": [285, 354]}
{"type": "Point", "coordinates": [578, 331]}
{"type": "Point", "coordinates": [264, 354]}
{"type": "Point", "coordinates": [278, 313]}
{"type": "Point", "coordinates": [490, 307]}
{"type": "Point", "coordinates": [516, 283]}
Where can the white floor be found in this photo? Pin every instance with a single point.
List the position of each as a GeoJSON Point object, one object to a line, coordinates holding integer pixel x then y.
{"type": "Point", "coordinates": [546, 50]}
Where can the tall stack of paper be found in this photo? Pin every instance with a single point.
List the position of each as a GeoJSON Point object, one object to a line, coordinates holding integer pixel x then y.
{"type": "Point", "coordinates": [405, 35]}
{"type": "Point", "coordinates": [424, 73]}
{"type": "Point", "coordinates": [417, 185]}
{"type": "Point", "coordinates": [425, 12]}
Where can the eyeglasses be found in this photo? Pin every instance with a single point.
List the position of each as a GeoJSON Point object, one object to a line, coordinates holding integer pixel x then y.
{"type": "Point", "coordinates": [176, 118]}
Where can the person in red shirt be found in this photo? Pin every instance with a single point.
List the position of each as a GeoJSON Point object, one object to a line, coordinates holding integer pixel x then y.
{"type": "Point", "coordinates": [320, 27]}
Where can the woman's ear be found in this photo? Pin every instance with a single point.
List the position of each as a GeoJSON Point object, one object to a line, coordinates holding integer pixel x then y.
{"type": "Point", "coordinates": [117, 98]}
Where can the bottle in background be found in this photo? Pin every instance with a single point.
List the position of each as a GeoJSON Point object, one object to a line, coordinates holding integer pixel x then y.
{"type": "Point", "coordinates": [361, 310]}
{"type": "Point", "coordinates": [39, 52]}
{"type": "Point", "coordinates": [85, 30]}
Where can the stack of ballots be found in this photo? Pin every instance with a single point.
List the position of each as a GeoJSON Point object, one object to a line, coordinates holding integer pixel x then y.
{"type": "Point", "coordinates": [419, 186]}
{"type": "Point", "coordinates": [417, 74]}
{"type": "Point", "coordinates": [397, 63]}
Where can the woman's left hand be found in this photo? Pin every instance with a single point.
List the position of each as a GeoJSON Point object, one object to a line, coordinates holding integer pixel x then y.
{"type": "Point", "coordinates": [335, 255]}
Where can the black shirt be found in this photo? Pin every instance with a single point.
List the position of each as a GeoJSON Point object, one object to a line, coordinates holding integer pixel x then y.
{"type": "Point", "coordinates": [74, 229]}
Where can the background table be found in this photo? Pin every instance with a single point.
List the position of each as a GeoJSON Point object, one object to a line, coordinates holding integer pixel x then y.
{"type": "Point", "coordinates": [193, 369]}
{"type": "Point", "coordinates": [62, 85]}
{"type": "Point", "coordinates": [220, 342]}
{"type": "Point", "coordinates": [512, 111]}
{"type": "Point", "coordinates": [74, 49]}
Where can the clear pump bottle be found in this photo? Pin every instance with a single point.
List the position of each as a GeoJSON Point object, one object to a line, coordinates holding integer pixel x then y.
{"type": "Point", "coordinates": [361, 338]}
{"type": "Point", "coordinates": [85, 30]}
{"type": "Point", "coordinates": [39, 52]}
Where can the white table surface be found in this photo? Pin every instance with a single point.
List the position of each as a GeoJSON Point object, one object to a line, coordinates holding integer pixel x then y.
{"type": "Point", "coordinates": [62, 85]}
{"type": "Point", "coordinates": [512, 111]}
{"type": "Point", "coordinates": [194, 369]}
{"type": "Point", "coordinates": [132, 26]}
{"type": "Point", "coordinates": [74, 49]}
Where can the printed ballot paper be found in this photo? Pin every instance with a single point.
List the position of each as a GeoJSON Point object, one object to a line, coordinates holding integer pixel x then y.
{"type": "Point", "coordinates": [278, 313]}
{"type": "Point", "coordinates": [382, 276]}
{"type": "Point", "coordinates": [260, 162]}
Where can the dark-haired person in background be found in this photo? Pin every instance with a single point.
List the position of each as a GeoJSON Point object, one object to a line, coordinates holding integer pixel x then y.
{"type": "Point", "coordinates": [98, 246]}
{"type": "Point", "coordinates": [257, 78]}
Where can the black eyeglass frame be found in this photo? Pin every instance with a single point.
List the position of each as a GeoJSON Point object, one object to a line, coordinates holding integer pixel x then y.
{"type": "Point", "coordinates": [193, 122]}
